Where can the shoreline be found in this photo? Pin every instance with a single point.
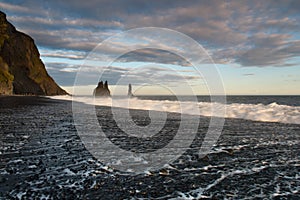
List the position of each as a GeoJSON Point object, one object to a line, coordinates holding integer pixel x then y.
{"type": "Point", "coordinates": [43, 156]}
{"type": "Point", "coordinates": [13, 101]}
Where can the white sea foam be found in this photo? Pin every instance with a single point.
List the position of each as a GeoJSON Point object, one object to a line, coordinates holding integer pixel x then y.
{"type": "Point", "coordinates": [257, 112]}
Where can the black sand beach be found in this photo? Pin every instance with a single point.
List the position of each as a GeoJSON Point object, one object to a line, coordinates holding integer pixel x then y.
{"type": "Point", "coordinates": [42, 156]}
{"type": "Point", "coordinates": [16, 101]}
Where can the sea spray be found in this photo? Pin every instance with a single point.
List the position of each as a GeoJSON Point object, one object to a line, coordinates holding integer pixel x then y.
{"type": "Point", "coordinates": [272, 112]}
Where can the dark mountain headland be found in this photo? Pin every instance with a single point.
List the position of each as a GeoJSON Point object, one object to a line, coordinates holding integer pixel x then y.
{"type": "Point", "coordinates": [21, 69]}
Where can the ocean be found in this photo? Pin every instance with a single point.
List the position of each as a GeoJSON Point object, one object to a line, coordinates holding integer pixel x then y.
{"type": "Point", "coordinates": [56, 148]}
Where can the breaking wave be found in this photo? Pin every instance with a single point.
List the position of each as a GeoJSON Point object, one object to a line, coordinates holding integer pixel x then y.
{"type": "Point", "coordinates": [257, 112]}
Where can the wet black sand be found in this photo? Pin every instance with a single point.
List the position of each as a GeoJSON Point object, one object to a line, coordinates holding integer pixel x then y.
{"type": "Point", "coordinates": [16, 101]}
{"type": "Point", "coordinates": [41, 156]}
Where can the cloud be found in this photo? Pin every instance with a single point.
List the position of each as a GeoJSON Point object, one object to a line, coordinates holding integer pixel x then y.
{"type": "Point", "coordinates": [247, 33]}
{"type": "Point", "coordinates": [154, 56]}
{"type": "Point", "coordinates": [270, 50]}
{"type": "Point", "coordinates": [70, 22]}
{"type": "Point", "coordinates": [68, 39]}
{"type": "Point", "coordinates": [65, 74]}
{"type": "Point", "coordinates": [69, 54]}
{"type": "Point", "coordinates": [61, 76]}
{"type": "Point", "coordinates": [14, 8]}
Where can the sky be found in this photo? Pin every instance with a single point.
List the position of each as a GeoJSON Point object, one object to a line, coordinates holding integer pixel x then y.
{"type": "Point", "coordinates": [253, 45]}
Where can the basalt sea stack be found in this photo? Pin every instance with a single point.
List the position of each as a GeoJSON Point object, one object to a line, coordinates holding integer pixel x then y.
{"type": "Point", "coordinates": [102, 90]}
{"type": "Point", "coordinates": [129, 94]}
{"type": "Point", "coordinates": [21, 69]}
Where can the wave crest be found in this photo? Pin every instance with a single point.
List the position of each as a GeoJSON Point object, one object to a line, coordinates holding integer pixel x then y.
{"type": "Point", "coordinates": [272, 112]}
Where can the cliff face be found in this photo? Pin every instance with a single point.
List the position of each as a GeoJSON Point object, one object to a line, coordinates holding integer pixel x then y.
{"type": "Point", "coordinates": [21, 69]}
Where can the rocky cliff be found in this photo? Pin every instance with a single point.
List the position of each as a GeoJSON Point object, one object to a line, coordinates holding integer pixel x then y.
{"type": "Point", "coordinates": [21, 69]}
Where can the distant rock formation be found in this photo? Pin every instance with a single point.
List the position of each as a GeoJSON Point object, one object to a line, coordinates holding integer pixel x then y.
{"type": "Point", "coordinates": [21, 69]}
{"type": "Point", "coordinates": [102, 90]}
{"type": "Point", "coordinates": [130, 91]}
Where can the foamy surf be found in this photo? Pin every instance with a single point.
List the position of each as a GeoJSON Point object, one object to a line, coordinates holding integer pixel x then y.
{"type": "Point", "coordinates": [256, 112]}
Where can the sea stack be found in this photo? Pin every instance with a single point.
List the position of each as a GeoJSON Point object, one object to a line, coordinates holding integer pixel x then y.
{"type": "Point", "coordinates": [130, 91]}
{"type": "Point", "coordinates": [102, 90]}
{"type": "Point", "coordinates": [21, 69]}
